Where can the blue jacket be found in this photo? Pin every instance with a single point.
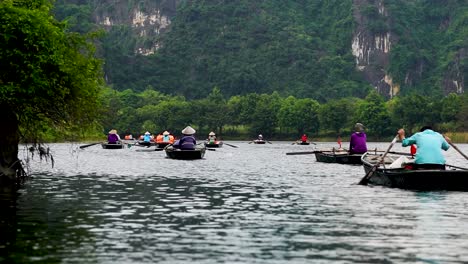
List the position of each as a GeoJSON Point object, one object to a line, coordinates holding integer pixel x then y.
{"type": "Point", "coordinates": [429, 145]}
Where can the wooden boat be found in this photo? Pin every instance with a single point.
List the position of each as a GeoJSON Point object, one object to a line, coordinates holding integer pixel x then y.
{"type": "Point", "coordinates": [215, 144]}
{"type": "Point", "coordinates": [112, 146]}
{"type": "Point", "coordinates": [175, 153]}
{"type": "Point", "coordinates": [259, 141]}
{"type": "Point", "coordinates": [338, 156]}
{"type": "Point", "coordinates": [392, 174]}
{"type": "Point", "coordinates": [162, 144]}
{"type": "Point", "coordinates": [142, 143]}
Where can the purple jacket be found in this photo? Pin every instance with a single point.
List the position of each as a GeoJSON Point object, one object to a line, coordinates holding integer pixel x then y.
{"type": "Point", "coordinates": [112, 138]}
{"type": "Point", "coordinates": [357, 143]}
{"type": "Point", "coordinates": [186, 142]}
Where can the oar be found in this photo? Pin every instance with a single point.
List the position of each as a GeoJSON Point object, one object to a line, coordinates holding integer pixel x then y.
{"type": "Point", "coordinates": [366, 178]}
{"type": "Point", "coordinates": [89, 145]}
{"type": "Point", "coordinates": [302, 153]}
{"type": "Point", "coordinates": [459, 151]}
{"type": "Point", "coordinates": [211, 149]}
{"type": "Point", "coordinates": [268, 142]}
{"type": "Point", "coordinates": [234, 146]}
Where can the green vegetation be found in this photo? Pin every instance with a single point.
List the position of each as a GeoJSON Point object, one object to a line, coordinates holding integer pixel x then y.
{"type": "Point", "coordinates": [50, 81]}
{"type": "Point", "coordinates": [299, 48]}
{"type": "Point", "coordinates": [277, 117]}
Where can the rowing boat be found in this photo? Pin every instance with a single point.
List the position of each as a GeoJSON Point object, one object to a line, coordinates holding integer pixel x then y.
{"type": "Point", "coordinates": [397, 174]}
{"type": "Point", "coordinates": [175, 153]}
{"type": "Point", "coordinates": [338, 156]}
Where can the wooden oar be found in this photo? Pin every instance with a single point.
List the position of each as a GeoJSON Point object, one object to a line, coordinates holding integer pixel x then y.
{"type": "Point", "coordinates": [234, 146]}
{"type": "Point", "coordinates": [459, 151]}
{"type": "Point", "coordinates": [89, 145]}
{"type": "Point", "coordinates": [302, 152]}
{"type": "Point", "coordinates": [366, 178]}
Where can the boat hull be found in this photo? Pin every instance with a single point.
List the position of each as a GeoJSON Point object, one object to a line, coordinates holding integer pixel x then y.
{"type": "Point", "coordinates": [174, 153]}
{"type": "Point", "coordinates": [421, 180]}
{"type": "Point", "coordinates": [216, 144]}
{"type": "Point", "coordinates": [258, 141]}
{"type": "Point", "coordinates": [337, 157]}
{"type": "Point", "coordinates": [112, 146]}
{"type": "Point", "coordinates": [162, 144]}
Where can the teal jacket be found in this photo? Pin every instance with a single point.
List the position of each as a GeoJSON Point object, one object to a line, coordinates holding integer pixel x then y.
{"type": "Point", "coordinates": [429, 144]}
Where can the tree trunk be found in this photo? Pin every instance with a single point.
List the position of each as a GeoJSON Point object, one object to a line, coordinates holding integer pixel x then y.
{"type": "Point", "coordinates": [9, 140]}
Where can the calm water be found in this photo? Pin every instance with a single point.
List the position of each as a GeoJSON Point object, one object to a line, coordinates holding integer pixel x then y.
{"type": "Point", "coordinates": [251, 204]}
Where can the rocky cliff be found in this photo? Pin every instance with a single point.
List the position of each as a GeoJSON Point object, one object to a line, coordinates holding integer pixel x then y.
{"type": "Point", "coordinates": [390, 41]}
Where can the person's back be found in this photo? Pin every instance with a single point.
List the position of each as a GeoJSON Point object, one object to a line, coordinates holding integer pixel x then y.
{"type": "Point", "coordinates": [304, 138]}
{"type": "Point", "coordinates": [147, 137]}
{"type": "Point", "coordinates": [358, 140]}
{"type": "Point", "coordinates": [187, 142]}
{"type": "Point", "coordinates": [112, 139]}
{"type": "Point", "coordinates": [429, 144]}
{"type": "Point", "coordinates": [358, 143]}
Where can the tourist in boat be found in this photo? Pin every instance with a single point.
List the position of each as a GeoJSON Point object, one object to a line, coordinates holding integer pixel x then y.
{"type": "Point", "coordinates": [212, 137]}
{"type": "Point", "coordinates": [304, 138]}
{"type": "Point", "coordinates": [147, 137]}
{"type": "Point", "coordinates": [429, 148]}
{"type": "Point", "coordinates": [358, 140]}
{"type": "Point", "coordinates": [166, 137]}
{"type": "Point", "coordinates": [187, 141]}
{"type": "Point", "coordinates": [260, 137]}
{"type": "Point", "coordinates": [113, 137]}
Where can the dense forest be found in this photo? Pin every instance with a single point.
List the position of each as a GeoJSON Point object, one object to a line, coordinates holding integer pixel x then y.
{"type": "Point", "coordinates": [278, 117]}
{"type": "Point", "coordinates": [280, 68]}
{"type": "Point", "coordinates": [298, 47]}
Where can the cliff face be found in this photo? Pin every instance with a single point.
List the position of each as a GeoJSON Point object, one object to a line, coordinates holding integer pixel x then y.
{"type": "Point", "coordinates": [398, 46]}
{"type": "Point", "coordinates": [147, 19]}
{"type": "Point", "coordinates": [373, 50]}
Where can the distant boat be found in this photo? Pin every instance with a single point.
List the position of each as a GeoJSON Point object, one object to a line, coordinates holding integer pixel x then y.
{"type": "Point", "coordinates": [174, 153]}
{"type": "Point", "coordinates": [338, 156]}
{"type": "Point", "coordinates": [259, 141]}
{"type": "Point", "coordinates": [112, 146]}
{"type": "Point", "coordinates": [215, 144]}
{"type": "Point", "coordinates": [299, 142]}
{"type": "Point", "coordinates": [451, 179]}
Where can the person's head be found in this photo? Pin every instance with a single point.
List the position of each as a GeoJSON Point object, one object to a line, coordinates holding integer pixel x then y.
{"type": "Point", "coordinates": [260, 136]}
{"type": "Point", "coordinates": [188, 131]}
{"type": "Point", "coordinates": [165, 133]}
{"type": "Point", "coordinates": [358, 127]}
{"type": "Point", "coordinates": [425, 128]}
{"type": "Point", "coordinates": [212, 134]}
{"type": "Point", "coordinates": [147, 133]}
{"type": "Point", "coordinates": [113, 131]}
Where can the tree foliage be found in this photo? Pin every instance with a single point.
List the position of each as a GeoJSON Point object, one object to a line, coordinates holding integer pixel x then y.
{"type": "Point", "coordinates": [48, 76]}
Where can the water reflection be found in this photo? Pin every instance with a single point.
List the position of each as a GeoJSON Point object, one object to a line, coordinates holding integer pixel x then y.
{"type": "Point", "coordinates": [247, 205]}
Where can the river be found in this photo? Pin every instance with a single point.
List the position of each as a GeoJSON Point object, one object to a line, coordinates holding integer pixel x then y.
{"type": "Point", "coordinates": [251, 204]}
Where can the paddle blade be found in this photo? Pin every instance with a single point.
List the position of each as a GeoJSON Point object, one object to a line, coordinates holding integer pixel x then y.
{"type": "Point", "coordinates": [89, 145]}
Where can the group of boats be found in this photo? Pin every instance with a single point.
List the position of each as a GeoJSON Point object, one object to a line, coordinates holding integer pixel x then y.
{"type": "Point", "coordinates": [390, 169]}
